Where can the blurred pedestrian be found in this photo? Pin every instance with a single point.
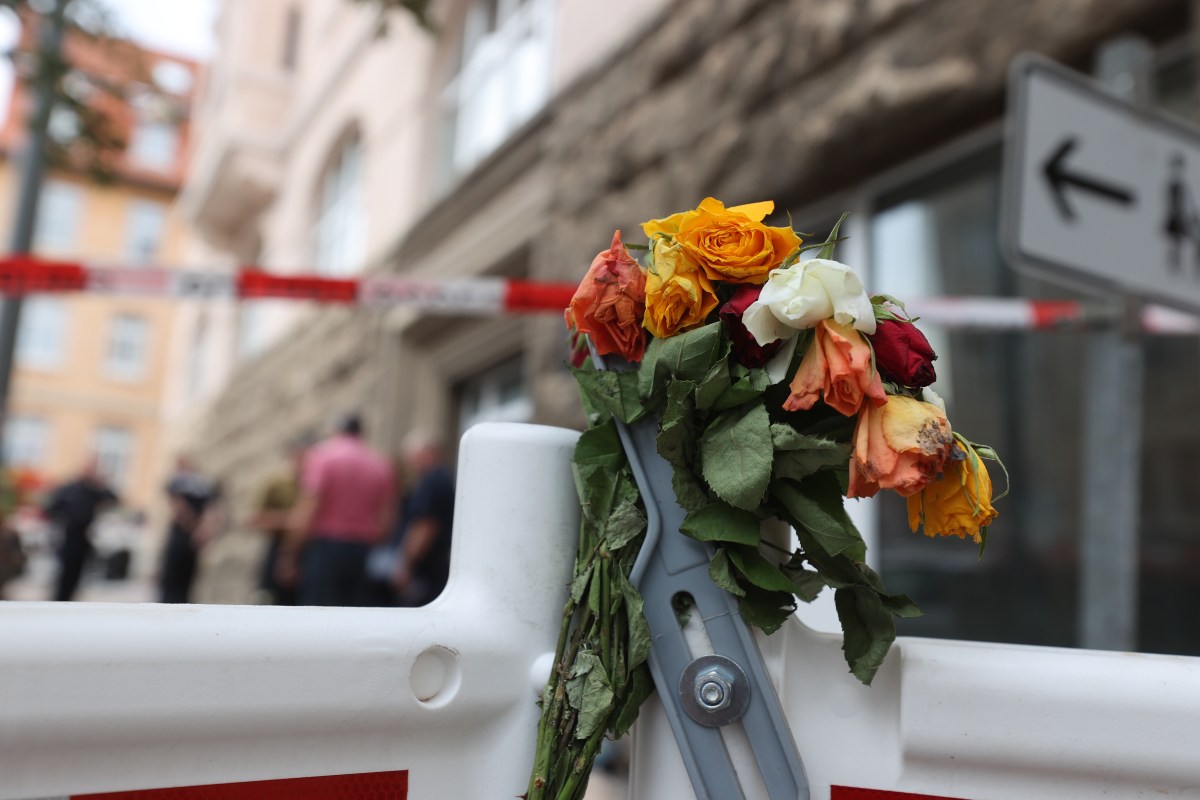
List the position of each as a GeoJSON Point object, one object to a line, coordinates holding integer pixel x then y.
{"type": "Point", "coordinates": [193, 498]}
{"type": "Point", "coordinates": [72, 508]}
{"type": "Point", "coordinates": [347, 499]}
{"type": "Point", "coordinates": [275, 504]}
{"type": "Point", "coordinates": [423, 556]}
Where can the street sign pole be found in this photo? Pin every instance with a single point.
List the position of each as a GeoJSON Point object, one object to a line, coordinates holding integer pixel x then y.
{"type": "Point", "coordinates": [1103, 193]}
{"type": "Point", "coordinates": [1114, 372]}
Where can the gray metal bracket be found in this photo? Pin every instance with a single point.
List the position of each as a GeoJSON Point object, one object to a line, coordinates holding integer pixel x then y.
{"type": "Point", "coordinates": [701, 691]}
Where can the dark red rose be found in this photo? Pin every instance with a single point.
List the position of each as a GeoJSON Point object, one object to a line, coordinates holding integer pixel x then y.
{"type": "Point", "coordinates": [903, 354]}
{"type": "Point", "coordinates": [746, 351]}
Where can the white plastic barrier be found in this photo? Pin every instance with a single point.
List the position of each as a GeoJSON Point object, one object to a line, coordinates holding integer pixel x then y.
{"type": "Point", "coordinates": [106, 697]}
{"type": "Point", "coordinates": [110, 697]}
{"type": "Point", "coordinates": [971, 720]}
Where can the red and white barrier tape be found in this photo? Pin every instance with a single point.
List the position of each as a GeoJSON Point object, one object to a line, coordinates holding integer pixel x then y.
{"type": "Point", "coordinates": [20, 275]}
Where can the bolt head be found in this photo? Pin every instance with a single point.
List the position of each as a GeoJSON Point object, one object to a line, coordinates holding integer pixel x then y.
{"type": "Point", "coordinates": [713, 690]}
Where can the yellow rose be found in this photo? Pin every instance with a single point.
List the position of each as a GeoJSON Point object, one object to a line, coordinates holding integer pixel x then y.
{"type": "Point", "coordinates": [730, 244]}
{"type": "Point", "coordinates": [960, 504]}
{"type": "Point", "coordinates": [678, 294]}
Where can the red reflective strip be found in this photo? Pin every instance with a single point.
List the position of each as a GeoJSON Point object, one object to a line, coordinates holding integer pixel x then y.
{"type": "Point", "coordinates": [530, 296]}
{"type": "Point", "coordinates": [1048, 313]}
{"type": "Point", "coordinates": [368, 786]}
{"type": "Point", "coordinates": [255, 283]}
{"type": "Point", "coordinates": [854, 793]}
{"type": "Point", "coordinates": [23, 274]}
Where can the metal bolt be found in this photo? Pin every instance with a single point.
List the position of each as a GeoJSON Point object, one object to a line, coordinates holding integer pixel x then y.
{"type": "Point", "coordinates": [713, 690]}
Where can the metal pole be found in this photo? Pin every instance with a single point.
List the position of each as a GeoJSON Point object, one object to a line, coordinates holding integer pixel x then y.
{"type": "Point", "coordinates": [1113, 368]}
{"type": "Point", "coordinates": [50, 34]}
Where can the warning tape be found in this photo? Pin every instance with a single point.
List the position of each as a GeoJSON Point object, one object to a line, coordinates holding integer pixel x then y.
{"type": "Point", "coordinates": [22, 275]}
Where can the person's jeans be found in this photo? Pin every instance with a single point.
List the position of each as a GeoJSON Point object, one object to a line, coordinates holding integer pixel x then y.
{"type": "Point", "coordinates": [334, 573]}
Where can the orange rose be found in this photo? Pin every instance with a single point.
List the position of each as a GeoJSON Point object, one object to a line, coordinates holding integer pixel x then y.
{"type": "Point", "coordinates": [838, 363]}
{"type": "Point", "coordinates": [609, 303]}
{"type": "Point", "coordinates": [679, 296]}
{"type": "Point", "coordinates": [730, 244]}
{"type": "Point", "coordinates": [902, 445]}
{"type": "Point", "coordinates": [960, 504]}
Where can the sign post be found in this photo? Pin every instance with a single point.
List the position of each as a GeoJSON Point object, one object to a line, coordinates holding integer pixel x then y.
{"type": "Point", "coordinates": [1097, 194]}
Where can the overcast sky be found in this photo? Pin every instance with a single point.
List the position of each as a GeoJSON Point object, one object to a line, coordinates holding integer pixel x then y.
{"type": "Point", "coordinates": [184, 27]}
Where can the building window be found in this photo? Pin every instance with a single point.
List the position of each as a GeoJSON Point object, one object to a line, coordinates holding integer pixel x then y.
{"type": "Point", "coordinates": [58, 217]}
{"type": "Point", "coordinates": [144, 231]}
{"type": "Point", "coordinates": [503, 79]}
{"type": "Point", "coordinates": [25, 442]}
{"type": "Point", "coordinates": [155, 145]}
{"type": "Point", "coordinates": [113, 447]}
{"type": "Point", "coordinates": [340, 230]}
{"type": "Point", "coordinates": [126, 359]}
{"type": "Point", "coordinates": [498, 394]}
{"type": "Point", "coordinates": [291, 40]}
{"type": "Point", "coordinates": [42, 333]}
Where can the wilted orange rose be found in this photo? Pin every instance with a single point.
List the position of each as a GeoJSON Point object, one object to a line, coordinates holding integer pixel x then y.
{"type": "Point", "coordinates": [730, 244]}
{"type": "Point", "coordinates": [679, 296]}
{"type": "Point", "coordinates": [609, 303]}
{"type": "Point", "coordinates": [838, 363]}
{"type": "Point", "coordinates": [960, 504]}
{"type": "Point", "coordinates": [902, 445]}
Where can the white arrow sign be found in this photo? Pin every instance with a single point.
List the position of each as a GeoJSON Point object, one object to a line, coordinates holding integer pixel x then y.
{"type": "Point", "coordinates": [1098, 191]}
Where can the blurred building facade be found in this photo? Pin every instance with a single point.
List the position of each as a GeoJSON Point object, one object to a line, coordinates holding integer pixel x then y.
{"type": "Point", "coordinates": [516, 140]}
{"type": "Point", "coordinates": [90, 371]}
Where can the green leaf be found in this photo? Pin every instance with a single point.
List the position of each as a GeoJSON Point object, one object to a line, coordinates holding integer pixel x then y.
{"type": "Point", "coordinates": [625, 524]}
{"type": "Point", "coordinates": [868, 630]}
{"type": "Point", "coordinates": [799, 455]}
{"type": "Point", "coordinates": [816, 505]}
{"type": "Point", "coordinates": [639, 629]}
{"type": "Point", "coordinates": [832, 240]}
{"type": "Point", "coordinates": [600, 445]}
{"type": "Point", "coordinates": [714, 385]}
{"type": "Point", "coordinates": [900, 605]}
{"type": "Point", "coordinates": [758, 570]}
{"type": "Point", "coordinates": [766, 610]}
{"type": "Point", "coordinates": [736, 456]}
{"type": "Point", "coordinates": [688, 356]}
{"type": "Point", "coordinates": [677, 437]}
{"type": "Point", "coordinates": [579, 585]}
{"type": "Point", "coordinates": [718, 522]}
{"type": "Point", "coordinates": [677, 444]}
{"type": "Point", "coordinates": [722, 575]}
{"type": "Point", "coordinates": [641, 686]}
{"type": "Point", "coordinates": [806, 583]}
{"type": "Point", "coordinates": [589, 693]}
{"type": "Point", "coordinates": [611, 392]}
{"type": "Point", "coordinates": [740, 392]}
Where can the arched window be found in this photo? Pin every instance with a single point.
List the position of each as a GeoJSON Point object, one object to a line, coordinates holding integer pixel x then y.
{"type": "Point", "coordinates": [339, 233]}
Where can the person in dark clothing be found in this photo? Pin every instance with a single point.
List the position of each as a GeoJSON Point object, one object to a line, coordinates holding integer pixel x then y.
{"type": "Point", "coordinates": [423, 555]}
{"type": "Point", "coordinates": [276, 500]}
{"type": "Point", "coordinates": [191, 496]}
{"type": "Point", "coordinates": [73, 508]}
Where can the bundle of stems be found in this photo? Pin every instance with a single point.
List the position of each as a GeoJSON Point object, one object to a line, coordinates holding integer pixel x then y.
{"type": "Point", "coordinates": [599, 679]}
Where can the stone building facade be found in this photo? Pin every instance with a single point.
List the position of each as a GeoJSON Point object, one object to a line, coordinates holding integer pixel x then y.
{"type": "Point", "coordinates": [890, 109]}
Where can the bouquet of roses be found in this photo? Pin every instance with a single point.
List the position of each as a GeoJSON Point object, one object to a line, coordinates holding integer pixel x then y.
{"type": "Point", "coordinates": [780, 387]}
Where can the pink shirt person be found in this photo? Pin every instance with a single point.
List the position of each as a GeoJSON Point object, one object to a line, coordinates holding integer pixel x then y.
{"type": "Point", "coordinates": [352, 486]}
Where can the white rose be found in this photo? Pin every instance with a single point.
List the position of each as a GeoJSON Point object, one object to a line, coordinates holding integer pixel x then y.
{"type": "Point", "coordinates": [804, 294]}
{"type": "Point", "coordinates": [933, 398]}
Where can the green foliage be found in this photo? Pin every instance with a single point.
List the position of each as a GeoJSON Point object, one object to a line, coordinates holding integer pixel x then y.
{"type": "Point", "coordinates": [736, 456]}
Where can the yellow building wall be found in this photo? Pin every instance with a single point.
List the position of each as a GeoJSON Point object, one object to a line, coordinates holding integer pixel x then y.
{"type": "Point", "coordinates": [77, 397]}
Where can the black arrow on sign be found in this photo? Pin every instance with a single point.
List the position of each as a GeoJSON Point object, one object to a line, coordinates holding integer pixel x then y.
{"type": "Point", "coordinates": [1055, 170]}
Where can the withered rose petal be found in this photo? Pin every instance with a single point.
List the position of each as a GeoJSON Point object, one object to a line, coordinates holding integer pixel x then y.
{"type": "Point", "coordinates": [610, 302]}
